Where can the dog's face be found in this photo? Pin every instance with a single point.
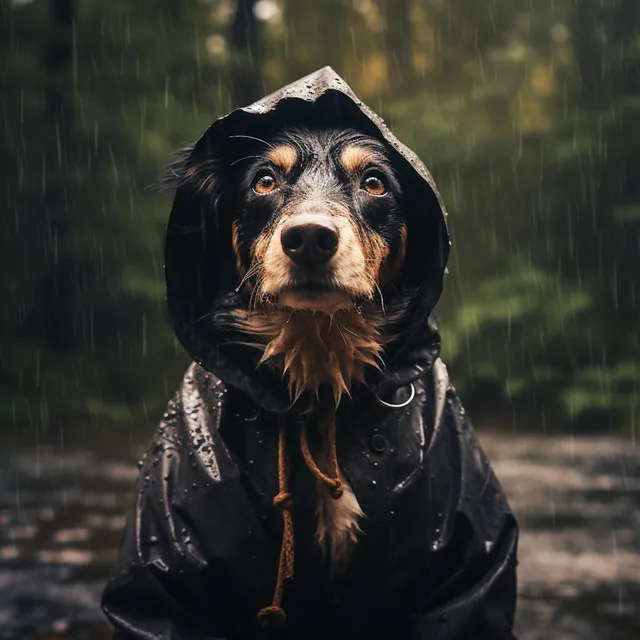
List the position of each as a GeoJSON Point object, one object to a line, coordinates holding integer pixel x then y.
{"type": "Point", "coordinates": [319, 224]}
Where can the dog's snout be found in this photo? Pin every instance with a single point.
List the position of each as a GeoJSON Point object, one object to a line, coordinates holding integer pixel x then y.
{"type": "Point", "coordinates": [310, 243]}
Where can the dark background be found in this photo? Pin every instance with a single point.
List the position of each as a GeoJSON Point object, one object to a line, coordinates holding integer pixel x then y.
{"type": "Point", "coordinates": [528, 114]}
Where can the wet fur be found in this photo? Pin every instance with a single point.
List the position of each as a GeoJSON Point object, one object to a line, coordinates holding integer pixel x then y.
{"type": "Point", "coordinates": [338, 527]}
{"type": "Point", "coordinates": [319, 348]}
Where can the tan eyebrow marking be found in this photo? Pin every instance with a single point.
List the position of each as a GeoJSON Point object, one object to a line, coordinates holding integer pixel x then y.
{"type": "Point", "coordinates": [284, 156]}
{"type": "Point", "coordinates": [355, 158]}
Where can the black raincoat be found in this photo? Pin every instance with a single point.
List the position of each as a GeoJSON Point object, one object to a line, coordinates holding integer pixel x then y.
{"type": "Point", "coordinates": [437, 556]}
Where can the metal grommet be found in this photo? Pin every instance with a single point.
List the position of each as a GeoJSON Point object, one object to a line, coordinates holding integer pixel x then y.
{"type": "Point", "coordinates": [378, 443]}
{"type": "Point", "coordinates": [402, 404]}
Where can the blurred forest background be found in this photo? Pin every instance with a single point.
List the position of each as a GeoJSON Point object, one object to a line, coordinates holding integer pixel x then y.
{"type": "Point", "coordinates": [527, 112]}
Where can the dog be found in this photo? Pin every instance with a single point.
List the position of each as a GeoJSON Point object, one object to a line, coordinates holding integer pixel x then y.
{"type": "Point", "coordinates": [302, 280]}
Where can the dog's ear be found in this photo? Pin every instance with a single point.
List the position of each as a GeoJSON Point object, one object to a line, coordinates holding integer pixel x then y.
{"type": "Point", "coordinates": [187, 169]}
{"type": "Point", "coordinates": [173, 173]}
{"type": "Point", "coordinates": [199, 260]}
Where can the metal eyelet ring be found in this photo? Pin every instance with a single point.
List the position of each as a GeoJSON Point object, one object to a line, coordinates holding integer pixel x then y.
{"type": "Point", "coordinates": [402, 404]}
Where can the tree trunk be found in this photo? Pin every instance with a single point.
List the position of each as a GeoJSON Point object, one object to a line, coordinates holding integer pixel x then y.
{"type": "Point", "coordinates": [57, 290]}
{"type": "Point", "coordinates": [397, 18]}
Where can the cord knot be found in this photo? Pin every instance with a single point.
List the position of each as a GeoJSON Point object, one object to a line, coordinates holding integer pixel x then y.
{"type": "Point", "coordinates": [335, 489]}
{"type": "Point", "coordinates": [272, 617]}
{"type": "Point", "coordinates": [283, 501]}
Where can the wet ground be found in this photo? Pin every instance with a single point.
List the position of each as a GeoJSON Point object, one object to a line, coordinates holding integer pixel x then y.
{"type": "Point", "coordinates": [62, 510]}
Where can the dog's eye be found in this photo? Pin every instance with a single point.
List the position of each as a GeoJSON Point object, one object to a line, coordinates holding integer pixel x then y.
{"type": "Point", "coordinates": [265, 183]}
{"type": "Point", "coordinates": [374, 185]}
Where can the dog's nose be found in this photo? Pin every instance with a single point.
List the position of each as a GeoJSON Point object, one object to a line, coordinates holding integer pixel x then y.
{"type": "Point", "coordinates": [310, 243]}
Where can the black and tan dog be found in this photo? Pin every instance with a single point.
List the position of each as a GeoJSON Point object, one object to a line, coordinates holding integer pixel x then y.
{"type": "Point", "coordinates": [304, 255]}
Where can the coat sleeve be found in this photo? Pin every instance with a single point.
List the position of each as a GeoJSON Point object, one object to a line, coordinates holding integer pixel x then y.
{"type": "Point", "coordinates": [485, 604]}
{"type": "Point", "coordinates": [475, 558]}
{"type": "Point", "coordinates": [161, 575]}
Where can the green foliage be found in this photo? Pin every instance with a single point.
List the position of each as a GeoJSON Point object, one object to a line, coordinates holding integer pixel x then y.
{"type": "Point", "coordinates": [528, 115]}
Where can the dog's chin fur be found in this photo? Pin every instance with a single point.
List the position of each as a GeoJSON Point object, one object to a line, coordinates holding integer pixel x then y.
{"type": "Point", "coordinates": [318, 348]}
{"type": "Point", "coordinates": [327, 303]}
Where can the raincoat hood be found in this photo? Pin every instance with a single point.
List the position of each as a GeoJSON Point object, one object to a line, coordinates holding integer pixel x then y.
{"type": "Point", "coordinates": [199, 270]}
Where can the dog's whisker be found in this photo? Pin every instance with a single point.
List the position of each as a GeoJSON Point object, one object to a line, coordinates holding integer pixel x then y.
{"type": "Point", "coordinates": [253, 269]}
{"type": "Point", "coordinates": [353, 333]}
{"type": "Point", "coordinates": [254, 138]}
{"type": "Point", "coordinates": [208, 314]}
{"type": "Point", "coordinates": [384, 312]}
{"type": "Point", "coordinates": [242, 159]}
{"type": "Point", "coordinates": [341, 334]}
{"type": "Point", "coordinates": [319, 334]}
{"type": "Point", "coordinates": [256, 288]}
{"type": "Point", "coordinates": [253, 300]}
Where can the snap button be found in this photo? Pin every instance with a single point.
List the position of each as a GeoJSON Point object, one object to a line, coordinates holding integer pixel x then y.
{"type": "Point", "coordinates": [379, 443]}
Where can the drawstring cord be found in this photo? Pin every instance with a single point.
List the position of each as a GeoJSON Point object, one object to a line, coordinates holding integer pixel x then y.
{"type": "Point", "coordinates": [333, 482]}
{"type": "Point", "coordinates": [274, 616]}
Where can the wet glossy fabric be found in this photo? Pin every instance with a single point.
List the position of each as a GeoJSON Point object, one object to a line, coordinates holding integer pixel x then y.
{"type": "Point", "coordinates": [437, 557]}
